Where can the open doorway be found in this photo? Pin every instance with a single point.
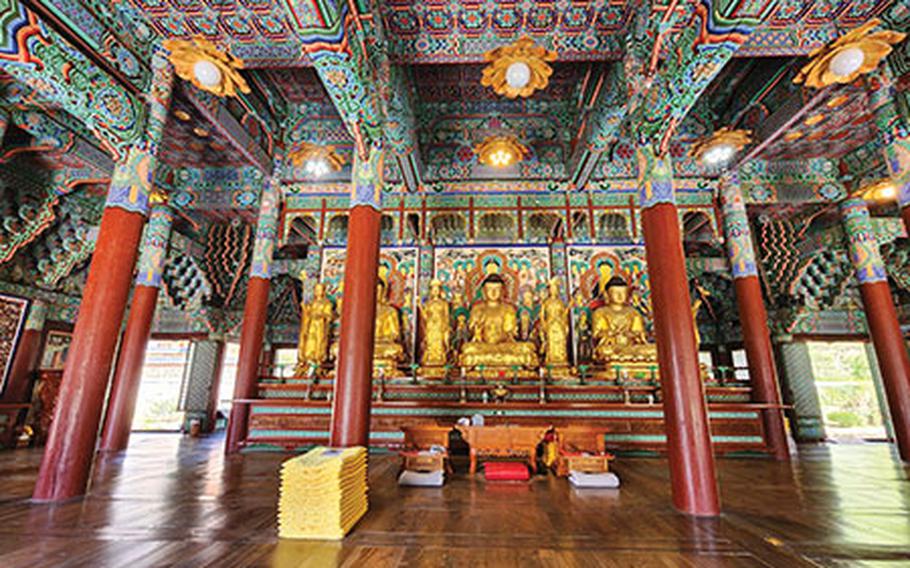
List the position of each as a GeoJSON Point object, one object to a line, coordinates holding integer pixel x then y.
{"type": "Point", "coordinates": [847, 391]}
{"type": "Point", "coordinates": [161, 388]}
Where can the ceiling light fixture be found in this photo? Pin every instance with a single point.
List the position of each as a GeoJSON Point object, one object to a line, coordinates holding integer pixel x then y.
{"type": "Point", "coordinates": [879, 192]}
{"type": "Point", "coordinates": [853, 54]}
{"type": "Point", "coordinates": [317, 161]}
{"type": "Point", "coordinates": [519, 69]}
{"type": "Point", "coordinates": [718, 149]}
{"type": "Point", "coordinates": [501, 151]}
{"type": "Point", "coordinates": [207, 67]}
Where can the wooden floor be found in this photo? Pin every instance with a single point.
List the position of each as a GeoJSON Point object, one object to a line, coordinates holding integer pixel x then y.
{"type": "Point", "coordinates": [178, 502]}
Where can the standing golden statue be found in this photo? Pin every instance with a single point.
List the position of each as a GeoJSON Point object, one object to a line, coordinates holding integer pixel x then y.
{"type": "Point", "coordinates": [527, 316]}
{"type": "Point", "coordinates": [315, 327]}
{"type": "Point", "coordinates": [554, 328]}
{"type": "Point", "coordinates": [436, 324]}
{"type": "Point", "coordinates": [387, 349]}
{"type": "Point", "coordinates": [619, 329]}
{"type": "Point", "coordinates": [493, 325]}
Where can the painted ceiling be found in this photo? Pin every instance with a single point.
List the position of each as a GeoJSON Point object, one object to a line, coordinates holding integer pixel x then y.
{"type": "Point", "coordinates": [266, 33]}
{"type": "Point", "coordinates": [439, 45]}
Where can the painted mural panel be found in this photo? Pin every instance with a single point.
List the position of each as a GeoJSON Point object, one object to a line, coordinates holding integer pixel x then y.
{"type": "Point", "coordinates": [590, 267]}
{"type": "Point", "coordinates": [12, 318]}
{"type": "Point", "coordinates": [397, 267]}
{"type": "Point", "coordinates": [462, 269]}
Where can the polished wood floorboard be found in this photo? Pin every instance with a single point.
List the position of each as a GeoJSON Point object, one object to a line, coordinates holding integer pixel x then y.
{"type": "Point", "coordinates": [172, 501]}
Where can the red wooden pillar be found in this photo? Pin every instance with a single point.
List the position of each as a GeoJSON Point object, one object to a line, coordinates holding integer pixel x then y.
{"type": "Point", "coordinates": [67, 460]}
{"type": "Point", "coordinates": [353, 383]}
{"type": "Point", "coordinates": [689, 449]}
{"type": "Point", "coordinates": [753, 317]}
{"type": "Point", "coordinates": [255, 312]}
{"type": "Point", "coordinates": [881, 317]}
{"type": "Point", "coordinates": [354, 379]}
{"type": "Point", "coordinates": [26, 359]}
{"type": "Point", "coordinates": [118, 421]}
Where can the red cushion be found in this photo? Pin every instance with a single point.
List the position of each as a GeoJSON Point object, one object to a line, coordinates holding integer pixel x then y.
{"type": "Point", "coordinates": [506, 471]}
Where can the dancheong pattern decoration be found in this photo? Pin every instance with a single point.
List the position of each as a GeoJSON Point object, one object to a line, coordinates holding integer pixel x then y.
{"type": "Point", "coordinates": [863, 246]}
{"type": "Point", "coordinates": [267, 225]}
{"type": "Point", "coordinates": [57, 75]}
{"type": "Point", "coordinates": [736, 230]}
{"type": "Point", "coordinates": [154, 246]}
{"type": "Point", "coordinates": [655, 177]}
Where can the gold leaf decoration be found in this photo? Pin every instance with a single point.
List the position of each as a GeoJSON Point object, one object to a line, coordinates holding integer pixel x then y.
{"type": "Point", "coordinates": [186, 54]}
{"type": "Point", "coordinates": [874, 45]}
{"type": "Point", "coordinates": [522, 51]}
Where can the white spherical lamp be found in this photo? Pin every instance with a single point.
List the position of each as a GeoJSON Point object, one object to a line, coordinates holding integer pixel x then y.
{"type": "Point", "coordinates": [207, 73]}
{"type": "Point", "coordinates": [719, 154]}
{"type": "Point", "coordinates": [518, 75]}
{"type": "Point", "coordinates": [847, 61]}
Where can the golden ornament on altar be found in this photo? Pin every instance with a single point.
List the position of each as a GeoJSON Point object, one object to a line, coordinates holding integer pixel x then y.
{"type": "Point", "coordinates": [554, 328]}
{"type": "Point", "coordinates": [619, 329]}
{"type": "Point", "coordinates": [493, 324]}
{"type": "Point", "coordinates": [435, 319]}
{"type": "Point", "coordinates": [207, 67]}
{"type": "Point", "coordinates": [853, 54]}
{"type": "Point", "coordinates": [315, 325]}
{"type": "Point", "coordinates": [519, 69]}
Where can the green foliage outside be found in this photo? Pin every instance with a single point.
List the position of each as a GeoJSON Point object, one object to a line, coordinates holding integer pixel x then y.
{"type": "Point", "coordinates": [845, 386]}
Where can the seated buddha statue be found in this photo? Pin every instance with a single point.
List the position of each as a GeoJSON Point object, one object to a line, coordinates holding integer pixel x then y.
{"type": "Point", "coordinates": [618, 329]}
{"type": "Point", "coordinates": [387, 348]}
{"type": "Point", "coordinates": [493, 325]}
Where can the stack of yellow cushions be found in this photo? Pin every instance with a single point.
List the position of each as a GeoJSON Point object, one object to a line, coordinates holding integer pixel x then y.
{"type": "Point", "coordinates": [323, 493]}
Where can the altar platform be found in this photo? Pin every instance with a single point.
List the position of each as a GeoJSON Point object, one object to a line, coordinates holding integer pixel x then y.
{"type": "Point", "coordinates": [295, 413]}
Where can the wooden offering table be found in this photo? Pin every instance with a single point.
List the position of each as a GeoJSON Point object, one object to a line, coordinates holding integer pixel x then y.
{"type": "Point", "coordinates": [503, 441]}
{"type": "Point", "coordinates": [418, 439]}
{"type": "Point", "coordinates": [581, 448]}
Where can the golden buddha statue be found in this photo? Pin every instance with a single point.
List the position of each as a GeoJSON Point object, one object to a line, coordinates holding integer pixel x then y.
{"type": "Point", "coordinates": [619, 330]}
{"type": "Point", "coordinates": [315, 327]}
{"type": "Point", "coordinates": [493, 325]}
{"type": "Point", "coordinates": [436, 323]}
{"type": "Point", "coordinates": [554, 328]}
{"type": "Point", "coordinates": [387, 348]}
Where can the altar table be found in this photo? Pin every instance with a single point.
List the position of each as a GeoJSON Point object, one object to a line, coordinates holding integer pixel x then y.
{"type": "Point", "coordinates": [418, 439]}
{"type": "Point", "coordinates": [503, 441]}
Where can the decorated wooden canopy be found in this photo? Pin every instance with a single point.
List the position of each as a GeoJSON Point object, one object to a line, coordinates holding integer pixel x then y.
{"type": "Point", "coordinates": [324, 80]}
